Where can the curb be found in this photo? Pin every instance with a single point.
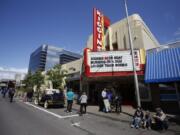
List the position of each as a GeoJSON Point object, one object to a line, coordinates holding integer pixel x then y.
{"type": "Point", "coordinates": [111, 118]}
{"type": "Point", "coordinates": [108, 117]}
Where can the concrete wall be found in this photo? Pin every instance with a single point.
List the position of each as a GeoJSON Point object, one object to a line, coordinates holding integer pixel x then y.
{"type": "Point", "coordinates": [73, 67]}
{"type": "Point", "coordinates": [118, 33]}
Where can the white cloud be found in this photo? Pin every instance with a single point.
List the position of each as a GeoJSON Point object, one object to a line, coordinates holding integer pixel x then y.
{"type": "Point", "coordinates": [19, 70]}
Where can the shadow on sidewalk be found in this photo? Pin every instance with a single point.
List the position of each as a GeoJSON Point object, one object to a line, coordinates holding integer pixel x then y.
{"type": "Point", "coordinates": [175, 119]}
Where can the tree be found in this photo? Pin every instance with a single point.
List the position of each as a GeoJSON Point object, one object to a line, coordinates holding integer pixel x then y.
{"type": "Point", "coordinates": [57, 76]}
{"type": "Point", "coordinates": [31, 80]}
{"type": "Point", "coordinates": [28, 81]}
{"type": "Point", "coordinates": [38, 79]}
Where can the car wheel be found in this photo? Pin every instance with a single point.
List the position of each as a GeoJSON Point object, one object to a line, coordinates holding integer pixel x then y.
{"type": "Point", "coordinates": [46, 104]}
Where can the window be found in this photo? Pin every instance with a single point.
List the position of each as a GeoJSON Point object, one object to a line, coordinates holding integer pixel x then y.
{"type": "Point", "coordinates": [107, 48]}
{"type": "Point", "coordinates": [115, 46]}
{"type": "Point", "coordinates": [124, 41]}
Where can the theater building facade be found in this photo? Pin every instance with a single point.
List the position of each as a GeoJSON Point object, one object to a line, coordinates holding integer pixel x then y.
{"type": "Point", "coordinates": [107, 62]}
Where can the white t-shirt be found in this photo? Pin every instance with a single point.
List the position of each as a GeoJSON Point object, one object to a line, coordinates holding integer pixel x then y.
{"type": "Point", "coordinates": [83, 99]}
{"type": "Point", "coordinates": [103, 94]}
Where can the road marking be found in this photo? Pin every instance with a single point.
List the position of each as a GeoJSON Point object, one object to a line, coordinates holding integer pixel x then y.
{"type": "Point", "coordinates": [44, 110]}
{"type": "Point", "coordinates": [68, 116]}
{"type": "Point", "coordinates": [77, 124]}
{"type": "Point", "coordinates": [54, 114]}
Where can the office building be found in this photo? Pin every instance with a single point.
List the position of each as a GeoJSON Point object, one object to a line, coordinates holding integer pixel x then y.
{"type": "Point", "coordinates": [46, 57]}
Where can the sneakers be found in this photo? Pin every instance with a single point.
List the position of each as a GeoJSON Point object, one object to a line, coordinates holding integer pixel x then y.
{"type": "Point", "coordinates": [137, 127]}
{"type": "Point", "coordinates": [149, 128]}
{"type": "Point", "coordinates": [132, 126]}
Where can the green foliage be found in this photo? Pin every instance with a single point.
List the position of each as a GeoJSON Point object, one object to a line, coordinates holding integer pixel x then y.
{"type": "Point", "coordinates": [38, 79]}
{"type": "Point", "coordinates": [33, 79]}
{"type": "Point", "coordinates": [28, 81]}
{"type": "Point", "coordinates": [56, 75]}
{"type": "Point", "coordinates": [21, 89]}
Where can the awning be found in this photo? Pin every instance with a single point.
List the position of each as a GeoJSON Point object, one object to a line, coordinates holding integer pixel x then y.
{"type": "Point", "coordinates": [163, 65]}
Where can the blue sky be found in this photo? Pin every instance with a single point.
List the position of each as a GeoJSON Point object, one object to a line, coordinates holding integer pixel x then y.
{"type": "Point", "coordinates": [27, 24]}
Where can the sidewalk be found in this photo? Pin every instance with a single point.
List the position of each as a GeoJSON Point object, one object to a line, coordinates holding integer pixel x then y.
{"type": "Point", "coordinates": [124, 116]}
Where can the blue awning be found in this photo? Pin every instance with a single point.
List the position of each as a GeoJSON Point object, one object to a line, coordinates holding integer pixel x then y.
{"type": "Point", "coordinates": [163, 65]}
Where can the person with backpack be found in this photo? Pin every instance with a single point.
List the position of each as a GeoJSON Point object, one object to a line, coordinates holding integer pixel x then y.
{"type": "Point", "coordinates": [83, 102]}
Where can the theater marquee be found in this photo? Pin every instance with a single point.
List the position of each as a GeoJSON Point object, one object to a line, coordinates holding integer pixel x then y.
{"type": "Point", "coordinates": [112, 61]}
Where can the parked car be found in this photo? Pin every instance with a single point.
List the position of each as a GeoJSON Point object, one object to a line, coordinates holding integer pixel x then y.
{"type": "Point", "coordinates": [51, 97]}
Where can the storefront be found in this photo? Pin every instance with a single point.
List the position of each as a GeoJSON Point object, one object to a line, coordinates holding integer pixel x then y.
{"type": "Point", "coordinates": [107, 59]}
{"type": "Point", "coordinates": [163, 76]}
{"type": "Point", "coordinates": [112, 70]}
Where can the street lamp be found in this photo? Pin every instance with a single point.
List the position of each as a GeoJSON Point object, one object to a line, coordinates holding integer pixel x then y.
{"type": "Point", "coordinates": [132, 56]}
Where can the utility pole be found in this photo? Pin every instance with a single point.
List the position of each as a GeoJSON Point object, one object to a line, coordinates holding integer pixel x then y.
{"type": "Point", "coordinates": [132, 54]}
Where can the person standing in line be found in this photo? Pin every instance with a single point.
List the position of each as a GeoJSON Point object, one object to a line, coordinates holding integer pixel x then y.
{"type": "Point", "coordinates": [70, 97]}
{"type": "Point", "coordinates": [106, 101]}
{"type": "Point", "coordinates": [100, 101]}
{"type": "Point", "coordinates": [110, 96]}
{"type": "Point", "coordinates": [118, 103]}
{"type": "Point", "coordinates": [83, 102]}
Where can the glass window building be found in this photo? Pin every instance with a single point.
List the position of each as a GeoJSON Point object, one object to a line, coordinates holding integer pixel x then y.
{"type": "Point", "coordinates": [46, 56]}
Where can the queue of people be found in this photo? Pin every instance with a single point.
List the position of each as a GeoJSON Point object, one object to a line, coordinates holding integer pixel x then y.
{"type": "Point", "coordinates": [82, 100]}
{"type": "Point", "coordinates": [108, 101]}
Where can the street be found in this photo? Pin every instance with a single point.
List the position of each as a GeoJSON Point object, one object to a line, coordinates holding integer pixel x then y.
{"type": "Point", "coordinates": [19, 118]}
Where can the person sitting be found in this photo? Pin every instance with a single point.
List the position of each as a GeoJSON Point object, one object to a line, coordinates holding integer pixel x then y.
{"type": "Point", "coordinates": [147, 120]}
{"type": "Point", "coordinates": [160, 119]}
{"type": "Point", "coordinates": [137, 118]}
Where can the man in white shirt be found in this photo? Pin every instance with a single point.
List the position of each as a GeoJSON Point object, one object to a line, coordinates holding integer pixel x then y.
{"type": "Point", "coordinates": [105, 100]}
